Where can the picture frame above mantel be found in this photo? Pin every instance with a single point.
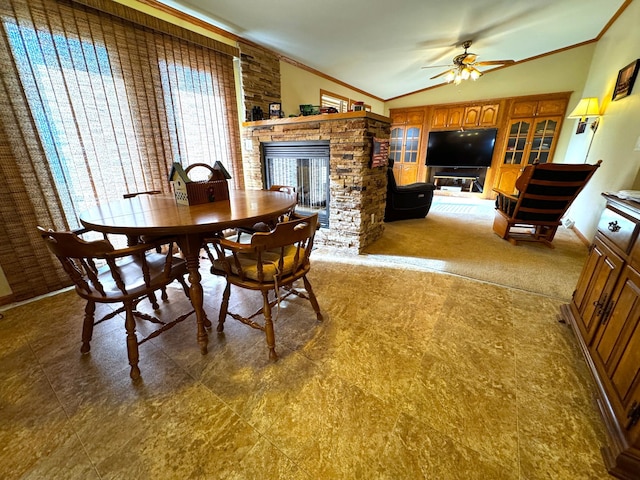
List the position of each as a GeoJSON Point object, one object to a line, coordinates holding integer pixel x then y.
{"type": "Point", "coordinates": [275, 110]}
{"type": "Point", "coordinates": [626, 79]}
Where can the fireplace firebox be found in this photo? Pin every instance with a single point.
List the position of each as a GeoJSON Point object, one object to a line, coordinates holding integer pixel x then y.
{"type": "Point", "coordinates": [305, 166]}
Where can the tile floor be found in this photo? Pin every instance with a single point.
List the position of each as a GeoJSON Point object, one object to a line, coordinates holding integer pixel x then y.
{"type": "Point", "coordinates": [412, 375]}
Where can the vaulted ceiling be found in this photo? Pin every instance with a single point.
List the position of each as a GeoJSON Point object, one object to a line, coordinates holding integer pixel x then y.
{"type": "Point", "coordinates": [380, 47]}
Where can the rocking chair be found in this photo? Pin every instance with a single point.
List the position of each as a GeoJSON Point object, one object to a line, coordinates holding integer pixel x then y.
{"type": "Point", "coordinates": [546, 191]}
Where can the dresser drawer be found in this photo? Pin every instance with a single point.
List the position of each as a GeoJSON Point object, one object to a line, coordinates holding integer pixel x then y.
{"type": "Point", "coordinates": [617, 228]}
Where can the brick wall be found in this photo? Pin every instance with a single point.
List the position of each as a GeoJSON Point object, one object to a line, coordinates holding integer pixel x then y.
{"type": "Point", "coordinates": [357, 192]}
{"type": "Point", "coordinates": [260, 78]}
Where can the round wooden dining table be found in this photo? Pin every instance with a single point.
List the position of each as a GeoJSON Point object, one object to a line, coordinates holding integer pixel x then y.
{"type": "Point", "coordinates": [158, 215]}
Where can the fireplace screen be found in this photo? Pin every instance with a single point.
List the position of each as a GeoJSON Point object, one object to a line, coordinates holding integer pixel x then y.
{"type": "Point", "coordinates": [304, 165]}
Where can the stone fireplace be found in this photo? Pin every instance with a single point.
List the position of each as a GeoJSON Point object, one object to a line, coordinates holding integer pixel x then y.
{"type": "Point", "coordinates": [356, 192]}
{"type": "Point", "coordinates": [304, 165]}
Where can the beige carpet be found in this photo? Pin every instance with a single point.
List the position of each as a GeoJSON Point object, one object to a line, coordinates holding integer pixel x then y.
{"type": "Point", "coordinates": [456, 237]}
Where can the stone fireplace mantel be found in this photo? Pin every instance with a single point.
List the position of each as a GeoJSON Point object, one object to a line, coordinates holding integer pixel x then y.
{"type": "Point", "coordinates": [357, 192]}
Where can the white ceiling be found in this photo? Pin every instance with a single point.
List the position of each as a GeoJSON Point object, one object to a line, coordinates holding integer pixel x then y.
{"type": "Point", "coordinates": [379, 46]}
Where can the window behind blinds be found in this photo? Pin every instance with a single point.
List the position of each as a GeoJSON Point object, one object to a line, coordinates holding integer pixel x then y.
{"type": "Point", "coordinates": [95, 106]}
{"type": "Point", "coordinates": [328, 99]}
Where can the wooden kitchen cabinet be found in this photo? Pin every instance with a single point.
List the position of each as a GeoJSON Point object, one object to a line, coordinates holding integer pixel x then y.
{"type": "Point", "coordinates": [605, 316]}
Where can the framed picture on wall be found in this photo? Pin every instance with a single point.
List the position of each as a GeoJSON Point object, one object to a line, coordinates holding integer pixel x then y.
{"type": "Point", "coordinates": [626, 79]}
{"type": "Point", "coordinates": [380, 152]}
{"type": "Point", "coordinates": [274, 110]}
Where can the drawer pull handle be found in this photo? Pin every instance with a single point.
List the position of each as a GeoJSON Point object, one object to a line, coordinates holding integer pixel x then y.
{"type": "Point", "coordinates": [633, 415]}
{"type": "Point", "coordinates": [600, 305]}
{"type": "Point", "coordinates": [614, 227]}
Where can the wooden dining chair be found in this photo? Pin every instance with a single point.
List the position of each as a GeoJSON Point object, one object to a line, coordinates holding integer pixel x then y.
{"type": "Point", "coordinates": [147, 192]}
{"type": "Point", "coordinates": [273, 261]}
{"type": "Point", "coordinates": [270, 224]}
{"type": "Point", "coordinates": [104, 274]}
{"type": "Point", "coordinates": [134, 240]}
{"type": "Point", "coordinates": [143, 238]}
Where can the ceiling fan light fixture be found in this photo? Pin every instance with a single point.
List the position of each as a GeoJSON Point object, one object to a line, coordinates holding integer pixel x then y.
{"type": "Point", "coordinates": [450, 76]}
{"type": "Point", "coordinates": [463, 66]}
{"type": "Point", "coordinates": [458, 77]}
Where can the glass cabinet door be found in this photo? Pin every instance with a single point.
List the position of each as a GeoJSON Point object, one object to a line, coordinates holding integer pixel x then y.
{"type": "Point", "coordinates": [517, 142]}
{"type": "Point", "coordinates": [404, 144]}
{"type": "Point", "coordinates": [542, 140]}
{"type": "Point", "coordinates": [411, 145]}
{"type": "Point", "coordinates": [404, 148]}
{"type": "Point", "coordinates": [395, 144]}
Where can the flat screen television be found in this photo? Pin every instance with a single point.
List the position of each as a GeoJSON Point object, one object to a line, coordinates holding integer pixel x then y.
{"type": "Point", "coordinates": [461, 148]}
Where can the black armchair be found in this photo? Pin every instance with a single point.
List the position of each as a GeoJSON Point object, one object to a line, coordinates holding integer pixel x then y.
{"type": "Point", "coordinates": [406, 201]}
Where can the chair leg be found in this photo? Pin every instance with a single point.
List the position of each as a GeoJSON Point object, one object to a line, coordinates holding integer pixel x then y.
{"type": "Point", "coordinates": [154, 301]}
{"type": "Point", "coordinates": [207, 250]}
{"type": "Point", "coordinates": [132, 341]}
{"type": "Point", "coordinates": [224, 307]}
{"type": "Point", "coordinates": [501, 226]}
{"type": "Point", "coordinates": [164, 295]}
{"type": "Point", "coordinates": [185, 287]}
{"type": "Point", "coordinates": [545, 231]}
{"type": "Point", "coordinates": [268, 326]}
{"type": "Point", "coordinates": [87, 326]}
{"type": "Point", "coordinates": [312, 298]}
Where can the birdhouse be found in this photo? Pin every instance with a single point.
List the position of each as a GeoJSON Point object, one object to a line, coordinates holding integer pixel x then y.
{"type": "Point", "coordinates": [190, 192]}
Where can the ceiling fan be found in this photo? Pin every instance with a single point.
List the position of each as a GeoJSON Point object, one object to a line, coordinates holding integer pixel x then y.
{"type": "Point", "coordinates": [464, 66]}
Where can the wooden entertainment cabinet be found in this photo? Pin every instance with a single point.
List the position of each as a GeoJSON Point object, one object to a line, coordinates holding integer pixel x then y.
{"type": "Point", "coordinates": [467, 178]}
{"type": "Point", "coordinates": [528, 128]}
{"type": "Point", "coordinates": [605, 316]}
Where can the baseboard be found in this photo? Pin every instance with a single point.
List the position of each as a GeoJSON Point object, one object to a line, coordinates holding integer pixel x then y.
{"type": "Point", "coordinates": [582, 238]}
{"type": "Point", "coordinates": [6, 300]}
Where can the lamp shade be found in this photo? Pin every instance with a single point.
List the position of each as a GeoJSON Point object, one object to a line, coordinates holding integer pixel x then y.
{"type": "Point", "coordinates": [587, 107]}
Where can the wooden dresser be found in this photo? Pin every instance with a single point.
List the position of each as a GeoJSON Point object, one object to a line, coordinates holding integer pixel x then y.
{"type": "Point", "coordinates": [605, 315]}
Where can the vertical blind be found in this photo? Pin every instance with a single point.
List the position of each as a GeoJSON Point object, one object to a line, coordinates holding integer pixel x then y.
{"type": "Point", "coordinates": [95, 106]}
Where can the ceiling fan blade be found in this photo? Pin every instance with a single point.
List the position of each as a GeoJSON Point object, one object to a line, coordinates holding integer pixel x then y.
{"type": "Point", "coordinates": [438, 66]}
{"type": "Point", "coordinates": [494, 62]}
{"type": "Point", "coordinates": [440, 74]}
